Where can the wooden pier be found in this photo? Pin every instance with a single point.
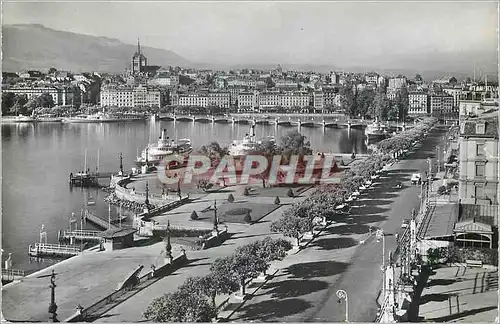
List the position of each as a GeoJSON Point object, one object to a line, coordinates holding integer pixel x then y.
{"type": "Point", "coordinates": [81, 235]}
{"type": "Point", "coordinates": [9, 275]}
{"type": "Point", "coordinates": [54, 250]}
{"type": "Point", "coordinates": [89, 216]}
{"type": "Point", "coordinates": [84, 179]}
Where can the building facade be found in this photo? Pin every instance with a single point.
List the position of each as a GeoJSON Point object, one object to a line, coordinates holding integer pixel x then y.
{"type": "Point", "coordinates": [397, 83]}
{"type": "Point", "coordinates": [220, 99]}
{"type": "Point", "coordinates": [269, 99]}
{"type": "Point", "coordinates": [248, 100]}
{"type": "Point", "coordinates": [140, 96]}
{"type": "Point", "coordinates": [418, 103]}
{"type": "Point", "coordinates": [60, 95]}
{"type": "Point", "coordinates": [193, 99]}
{"type": "Point", "coordinates": [318, 100]}
{"type": "Point", "coordinates": [442, 107]}
{"type": "Point", "coordinates": [478, 179]}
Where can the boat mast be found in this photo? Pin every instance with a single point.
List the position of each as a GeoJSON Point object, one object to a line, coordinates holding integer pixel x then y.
{"type": "Point", "coordinates": [85, 165]}
{"type": "Point", "coordinates": [97, 168]}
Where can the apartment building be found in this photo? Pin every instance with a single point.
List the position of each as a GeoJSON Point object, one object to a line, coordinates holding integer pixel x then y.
{"type": "Point", "coordinates": [60, 95]}
{"type": "Point", "coordinates": [220, 99]}
{"type": "Point", "coordinates": [140, 96]}
{"type": "Point", "coordinates": [318, 100]}
{"type": "Point", "coordinates": [294, 99]}
{"type": "Point", "coordinates": [397, 83]}
{"type": "Point", "coordinates": [248, 100]}
{"type": "Point", "coordinates": [269, 99]}
{"type": "Point", "coordinates": [478, 175]}
{"type": "Point", "coordinates": [418, 103]}
{"type": "Point", "coordinates": [441, 107]}
{"type": "Point", "coordinates": [192, 99]}
{"type": "Point", "coordinates": [371, 78]}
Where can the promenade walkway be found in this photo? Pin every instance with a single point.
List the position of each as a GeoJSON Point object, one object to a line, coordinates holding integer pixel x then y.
{"type": "Point", "coordinates": [132, 309]}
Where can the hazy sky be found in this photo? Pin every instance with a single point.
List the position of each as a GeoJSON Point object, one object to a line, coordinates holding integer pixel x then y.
{"type": "Point", "coordinates": [287, 32]}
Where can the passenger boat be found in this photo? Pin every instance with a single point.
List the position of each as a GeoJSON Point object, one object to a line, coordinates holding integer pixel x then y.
{"type": "Point", "coordinates": [49, 118]}
{"type": "Point", "coordinates": [18, 119]}
{"type": "Point", "coordinates": [99, 117]}
{"type": "Point", "coordinates": [154, 153]}
{"type": "Point", "coordinates": [247, 145]}
{"type": "Point", "coordinates": [376, 131]}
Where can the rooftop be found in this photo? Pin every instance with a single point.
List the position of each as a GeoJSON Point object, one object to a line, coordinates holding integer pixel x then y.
{"type": "Point", "coordinates": [486, 214]}
{"type": "Point", "coordinates": [118, 232]}
{"type": "Point", "coordinates": [442, 221]}
{"type": "Point", "coordinates": [491, 126]}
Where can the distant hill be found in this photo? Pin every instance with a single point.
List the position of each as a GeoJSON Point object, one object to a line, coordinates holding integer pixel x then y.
{"type": "Point", "coordinates": [38, 47]}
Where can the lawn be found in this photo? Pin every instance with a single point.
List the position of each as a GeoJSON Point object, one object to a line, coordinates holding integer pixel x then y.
{"type": "Point", "coordinates": [235, 212]}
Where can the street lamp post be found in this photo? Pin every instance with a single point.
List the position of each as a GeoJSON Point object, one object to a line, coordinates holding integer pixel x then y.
{"type": "Point", "coordinates": [380, 235]}
{"type": "Point", "coordinates": [342, 294]}
{"type": "Point", "coordinates": [437, 157]}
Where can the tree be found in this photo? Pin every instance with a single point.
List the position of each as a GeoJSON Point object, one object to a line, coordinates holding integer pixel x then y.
{"type": "Point", "coordinates": [194, 215]}
{"type": "Point", "coordinates": [180, 306]}
{"type": "Point", "coordinates": [364, 100]}
{"type": "Point", "coordinates": [52, 70]}
{"type": "Point", "coordinates": [294, 143]}
{"type": "Point", "coordinates": [248, 217]}
{"type": "Point", "coordinates": [418, 78]}
{"type": "Point", "coordinates": [8, 100]}
{"type": "Point", "coordinates": [290, 225]}
{"type": "Point", "coordinates": [230, 198]}
{"type": "Point", "coordinates": [277, 200]}
{"type": "Point", "coordinates": [214, 151]}
{"type": "Point", "coordinates": [380, 105]}
{"type": "Point", "coordinates": [210, 286]}
{"type": "Point", "coordinates": [348, 100]}
{"type": "Point", "coordinates": [20, 103]}
{"type": "Point", "coordinates": [245, 266]}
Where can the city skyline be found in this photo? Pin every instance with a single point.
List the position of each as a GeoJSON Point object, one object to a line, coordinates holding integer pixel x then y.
{"type": "Point", "coordinates": [334, 33]}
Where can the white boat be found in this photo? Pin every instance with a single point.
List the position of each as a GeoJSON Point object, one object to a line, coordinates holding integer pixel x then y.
{"type": "Point", "coordinates": [248, 145]}
{"type": "Point", "coordinates": [19, 119]}
{"type": "Point", "coordinates": [376, 130]}
{"type": "Point", "coordinates": [49, 118]}
{"type": "Point", "coordinates": [155, 153]}
{"type": "Point", "coordinates": [99, 117]}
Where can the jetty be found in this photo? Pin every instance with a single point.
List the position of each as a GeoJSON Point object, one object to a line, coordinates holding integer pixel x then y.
{"type": "Point", "coordinates": [99, 222]}
{"type": "Point", "coordinates": [81, 235]}
{"type": "Point", "coordinates": [53, 250]}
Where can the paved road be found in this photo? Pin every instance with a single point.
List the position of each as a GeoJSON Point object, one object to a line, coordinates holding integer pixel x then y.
{"type": "Point", "coordinates": [360, 275]}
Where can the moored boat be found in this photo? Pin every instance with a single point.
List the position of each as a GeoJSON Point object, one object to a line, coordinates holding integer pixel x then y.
{"type": "Point", "coordinates": [18, 119]}
{"type": "Point", "coordinates": [49, 118]}
{"type": "Point", "coordinates": [249, 144]}
{"type": "Point", "coordinates": [376, 131]}
{"type": "Point", "coordinates": [154, 153]}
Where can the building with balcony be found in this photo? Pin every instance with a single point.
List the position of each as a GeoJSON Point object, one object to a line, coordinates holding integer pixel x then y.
{"type": "Point", "coordinates": [478, 161]}
{"type": "Point", "coordinates": [418, 103]}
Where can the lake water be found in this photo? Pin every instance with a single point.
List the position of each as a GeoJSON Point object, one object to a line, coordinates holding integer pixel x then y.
{"type": "Point", "coordinates": [37, 160]}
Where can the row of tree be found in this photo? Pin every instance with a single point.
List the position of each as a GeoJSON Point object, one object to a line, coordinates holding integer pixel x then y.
{"type": "Point", "coordinates": [195, 299]}
{"type": "Point", "coordinates": [15, 104]}
{"type": "Point", "coordinates": [374, 103]}
{"type": "Point", "coordinates": [322, 204]}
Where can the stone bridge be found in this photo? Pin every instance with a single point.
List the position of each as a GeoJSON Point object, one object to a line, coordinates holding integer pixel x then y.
{"type": "Point", "coordinates": [285, 122]}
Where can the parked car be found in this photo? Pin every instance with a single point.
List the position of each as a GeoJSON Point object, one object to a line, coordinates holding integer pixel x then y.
{"type": "Point", "coordinates": [416, 178]}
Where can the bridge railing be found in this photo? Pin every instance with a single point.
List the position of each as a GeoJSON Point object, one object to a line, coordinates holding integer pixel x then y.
{"type": "Point", "coordinates": [13, 272]}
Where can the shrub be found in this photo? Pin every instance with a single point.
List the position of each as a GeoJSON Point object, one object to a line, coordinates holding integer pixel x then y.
{"type": "Point", "coordinates": [230, 198]}
{"type": "Point", "coordinates": [277, 200]}
{"type": "Point", "coordinates": [194, 215]}
{"type": "Point", "coordinates": [442, 190]}
{"type": "Point", "coordinates": [290, 193]}
{"type": "Point", "coordinates": [248, 218]}
{"type": "Point", "coordinates": [246, 192]}
{"type": "Point", "coordinates": [238, 211]}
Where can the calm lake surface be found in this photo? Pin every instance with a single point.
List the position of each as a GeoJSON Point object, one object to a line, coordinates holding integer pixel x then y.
{"type": "Point", "coordinates": [38, 158]}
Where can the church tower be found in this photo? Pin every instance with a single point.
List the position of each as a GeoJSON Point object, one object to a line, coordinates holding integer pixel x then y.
{"type": "Point", "coordinates": [139, 61]}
